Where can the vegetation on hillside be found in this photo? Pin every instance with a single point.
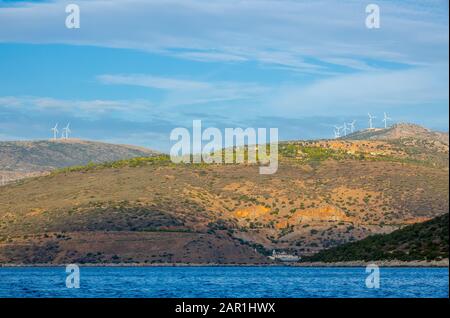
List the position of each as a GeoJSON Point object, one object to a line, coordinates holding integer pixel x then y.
{"type": "Point", "coordinates": [301, 152]}
{"type": "Point", "coordinates": [421, 241]}
{"type": "Point", "coordinates": [133, 162]}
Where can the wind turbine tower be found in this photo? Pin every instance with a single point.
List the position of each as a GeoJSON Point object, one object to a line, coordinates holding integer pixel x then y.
{"type": "Point", "coordinates": [337, 131]}
{"type": "Point", "coordinates": [352, 126]}
{"type": "Point", "coordinates": [386, 119]}
{"type": "Point", "coordinates": [55, 131]}
{"type": "Point", "coordinates": [66, 131]}
{"type": "Point", "coordinates": [371, 118]}
{"type": "Point", "coordinates": [345, 129]}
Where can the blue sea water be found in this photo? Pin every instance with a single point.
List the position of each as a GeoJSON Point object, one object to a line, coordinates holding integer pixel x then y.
{"type": "Point", "coordinates": [284, 282]}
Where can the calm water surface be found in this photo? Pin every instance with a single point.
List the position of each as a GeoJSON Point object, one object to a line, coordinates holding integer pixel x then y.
{"type": "Point", "coordinates": [223, 282]}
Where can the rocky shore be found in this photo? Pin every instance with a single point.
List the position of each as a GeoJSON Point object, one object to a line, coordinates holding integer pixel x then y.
{"type": "Point", "coordinates": [390, 263]}
{"type": "Point", "coordinates": [387, 263]}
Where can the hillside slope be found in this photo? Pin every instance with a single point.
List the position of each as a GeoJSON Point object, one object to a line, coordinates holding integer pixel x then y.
{"type": "Point", "coordinates": [27, 158]}
{"type": "Point", "coordinates": [149, 210]}
{"type": "Point", "coordinates": [422, 241]}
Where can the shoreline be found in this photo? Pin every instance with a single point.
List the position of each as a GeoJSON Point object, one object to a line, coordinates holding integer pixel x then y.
{"type": "Point", "coordinates": [391, 263]}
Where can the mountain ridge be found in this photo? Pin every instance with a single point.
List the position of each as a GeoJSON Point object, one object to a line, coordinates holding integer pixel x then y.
{"type": "Point", "coordinates": [19, 159]}
{"type": "Point", "coordinates": [399, 131]}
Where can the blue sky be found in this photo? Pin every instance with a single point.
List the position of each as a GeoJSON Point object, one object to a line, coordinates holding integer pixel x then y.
{"type": "Point", "coordinates": [137, 69]}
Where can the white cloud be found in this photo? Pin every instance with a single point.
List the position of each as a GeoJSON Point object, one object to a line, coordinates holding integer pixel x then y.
{"type": "Point", "coordinates": [78, 108]}
{"type": "Point", "coordinates": [357, 65]}
{"type": "Point", "coordinates": [151, 81]}
{"type": "Point", "coordinates": [377, 90]}
{"type": "Point", "coordinates": [268, 31]}
{"type": "Point", "coordinates": [185, 92]}
{"type": "Point", "coordinates": [211, 57]}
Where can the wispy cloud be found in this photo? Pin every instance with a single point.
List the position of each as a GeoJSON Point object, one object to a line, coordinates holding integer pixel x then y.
{"type": "Point", "coordinates": [357, 92]}
{"type": "Point", "coordinates": [268, 31]}
{"type": "Point", "coordinates": [185, 92]}
{"type": "Point", "coordinates": [205, 56]}
{"type": "Point", "coordinates": [151, 81]}
{"type": "Point", "coordinates": [77, 108]}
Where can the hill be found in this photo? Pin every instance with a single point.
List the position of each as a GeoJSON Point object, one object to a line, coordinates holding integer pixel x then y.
{"type": "Point", "coordinates": [422, 241]}
{"type": "Point", "coordinates": [30, 158]}
{"type": "Point", "coordinates": [416, 142]}
{"type": "Point", "coordinates": [401, 131]}
{"type": "Point", "coordinates": [149, 210]}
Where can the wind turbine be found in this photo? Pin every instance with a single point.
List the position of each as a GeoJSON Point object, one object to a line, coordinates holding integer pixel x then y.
{"type": "Point", "coordinates": [336, 134]}
{"type": "Point", "coordinates": [337, 131]}
{"type": "Point", "coordinates": [352, 126]}
{"type": "Point", "coordinates": [385, 120]}
{"type": "Point", "coordinates": [55, 131]}
{"type": "Point", "coordinates": [345, 129]}
{"type": "Point", "coordinates": [66, 131]}
{"type": "Point", "coordinates": [370, 120]}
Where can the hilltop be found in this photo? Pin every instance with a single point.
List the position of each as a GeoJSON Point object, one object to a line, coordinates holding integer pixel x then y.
{"type": "Point", "coordinates": [416, 142]}
{"type": "Point", "coordinates": [149, 210]}
{"type": "Point", "coordinates": [401, 131]}
{"type": "Point", "coordinates": [422, 241]}
{"type": "Point", "coordinates": [30, 158]}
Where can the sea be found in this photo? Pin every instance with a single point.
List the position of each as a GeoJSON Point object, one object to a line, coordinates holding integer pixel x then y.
{"type": "Point", "coordinates": [223, 282]}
